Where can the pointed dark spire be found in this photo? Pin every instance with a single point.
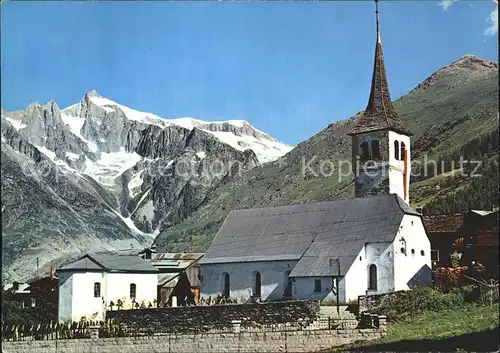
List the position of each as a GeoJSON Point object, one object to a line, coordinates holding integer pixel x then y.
{"type": "Point", "coordinates": [379, 113]}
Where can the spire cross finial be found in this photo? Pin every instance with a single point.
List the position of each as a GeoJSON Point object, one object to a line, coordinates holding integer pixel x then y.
{"type": "Point", "coordinates": [378, 25]}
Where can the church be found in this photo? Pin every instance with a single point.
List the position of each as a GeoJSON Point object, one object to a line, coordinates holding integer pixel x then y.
{"type": "Point", "coordinates": [372, 244]}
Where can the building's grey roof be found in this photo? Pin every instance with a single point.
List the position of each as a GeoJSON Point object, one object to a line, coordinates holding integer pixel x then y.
{"type": "Point", "coordinates": [318, 261]}
{"type": "Point", "coordinates": [179, 261]}
{"type": "Point", "coordinates": [110, 263]}
{"type": "Point", "coordinates": [83, 263]}
{"type": "Point", "coordinates": [312, 233]}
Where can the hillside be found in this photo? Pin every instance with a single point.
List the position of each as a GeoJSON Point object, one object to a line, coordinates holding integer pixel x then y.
{"type": "Point", "coordinates": [464, 329]}
{"type": "Point", "coordinates": [453, 112]}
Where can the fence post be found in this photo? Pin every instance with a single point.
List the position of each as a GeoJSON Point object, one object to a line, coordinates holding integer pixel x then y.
{"type": "Point", "coordinates": [94, 331]}
{"type": "Point", "coordinates": [286, 342]}
{"type": "Point", "coordinates": [236, 325]}
{"type": "Point", "coordinates": [382, 321]}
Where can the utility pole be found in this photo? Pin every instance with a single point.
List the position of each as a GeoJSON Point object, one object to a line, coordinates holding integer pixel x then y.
{"type": "Point", "coordinates": [338, 286]}
{"type": "Point", "coordinates": [37, 263]}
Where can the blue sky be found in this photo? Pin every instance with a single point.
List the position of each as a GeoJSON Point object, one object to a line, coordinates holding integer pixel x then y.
{"type": "Point", "coordinates": [289, 68]}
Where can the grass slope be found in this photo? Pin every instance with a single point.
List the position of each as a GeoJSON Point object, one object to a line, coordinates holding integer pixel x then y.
{"type": "Point", "coordinates": [472, 328]}
{"type": "Point", "coordinates": [452, 107]}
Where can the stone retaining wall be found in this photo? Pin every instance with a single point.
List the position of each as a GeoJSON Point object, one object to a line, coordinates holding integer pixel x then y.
{"type": "Point", "coordinates": [189, 317]}
{"type": "Point", "coordinates": [265, 342]}
{"type": "Point", "coordinates": [370, 303]}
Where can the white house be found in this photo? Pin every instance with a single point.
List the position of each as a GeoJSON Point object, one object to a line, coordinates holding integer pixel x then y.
{"type": "Point", "coordinates": [374, 243]}
{"type": "Point", "coordinates": [88, 285]}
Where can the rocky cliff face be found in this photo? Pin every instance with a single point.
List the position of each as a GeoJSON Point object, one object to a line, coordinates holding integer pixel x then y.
{"type": "Point", "coordinates": [101, 176]}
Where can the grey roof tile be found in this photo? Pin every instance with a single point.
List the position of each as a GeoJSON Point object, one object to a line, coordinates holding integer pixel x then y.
{"type": "Point", "coordinates": [111, 263]}
{"type": "Point", "coordinates": [84, 263]}
{"type": "Point", "coordinates": [175, 260]}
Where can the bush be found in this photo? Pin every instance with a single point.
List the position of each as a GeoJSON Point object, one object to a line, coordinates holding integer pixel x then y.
{"type": "Point", "coordinates": [420, 300]}
{"type": "Point", "coordinates": [333, 302]}
{"type": "Point", "coordinates": [45, 312]}
{"type": "Point", "coordinates": [330, 303]}
{"type": "Point", "coordinates": [470, 293]}
{"type": "Point", "coordinates": [447, 278]}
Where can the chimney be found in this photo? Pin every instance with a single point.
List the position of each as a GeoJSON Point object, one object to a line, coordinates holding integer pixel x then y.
{"type": "Point", "coordinates": [419, 209]}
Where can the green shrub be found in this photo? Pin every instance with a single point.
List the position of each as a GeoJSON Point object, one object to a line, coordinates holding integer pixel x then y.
{"type": "Point", "coordinates": [470, 293]}
{"type": "Point", "coordinates": [328, 303]}
{"type": "Point", "coordinates": [45, 311]}
{"type": "Point", "coordinates": [333, 302]}
{"type": "Point", "coordinates": [420, 300]}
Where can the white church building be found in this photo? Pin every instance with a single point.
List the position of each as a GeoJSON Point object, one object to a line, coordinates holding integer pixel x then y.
{"type": "Point", "coordinates": [88, 285]}
{"type": "Point", "coordinates": [374, 243]}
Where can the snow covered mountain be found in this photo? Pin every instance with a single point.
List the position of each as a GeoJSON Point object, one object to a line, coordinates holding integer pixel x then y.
{"type": "Point", "coordinates": [239, 134]}
{"type": "Point", "coordinates": [98, 175]}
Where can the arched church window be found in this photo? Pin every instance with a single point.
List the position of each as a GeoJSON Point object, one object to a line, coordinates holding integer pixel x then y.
{"type": "Point", "coordinates": [372, 277]}
{"type": "Point", "coordinates": [403, 148]}
{"type": "Point", "coordinates": [396, 150]}
{"type": "Point", "coordinates": [365, 151]}
{"type": "Point", "coordinates": [256, 284]}
{"type": "Point", "coordinates": [375, 150]}
{"type": "Point", "coordinates": [97, 290]}
{"type": "Point", "coordinates": [225, 284]}
{"type": "Point", "coordinates": [133, 291]}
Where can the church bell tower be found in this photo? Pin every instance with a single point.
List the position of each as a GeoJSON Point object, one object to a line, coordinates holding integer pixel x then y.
{"type": "Point", "coordinates": [380, 141]}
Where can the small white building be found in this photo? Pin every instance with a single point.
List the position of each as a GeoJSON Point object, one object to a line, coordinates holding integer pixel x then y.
{"type": "Point", "coordinates": [89, 285]}
{"type": "Point", "coordinates": [372, 244]}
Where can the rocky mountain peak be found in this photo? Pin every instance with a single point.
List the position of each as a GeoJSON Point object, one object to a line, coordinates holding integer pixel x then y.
{"type": "Point", "coordinates": [460, 72]}
{"type": "Point", "coordinates": [93, 94]}
{"type": "Point", "coordinates": [473, 63]}
{"type": "Point", "coordinates": [52, 106]}
{"type": "Point", "coordinates": [33, 106]}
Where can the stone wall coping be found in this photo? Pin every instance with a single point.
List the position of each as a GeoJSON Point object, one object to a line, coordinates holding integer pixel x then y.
{"type": "Point", "coordinates": [270, 342]}
{"type": "Point", "coordinates": [205, 334]}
